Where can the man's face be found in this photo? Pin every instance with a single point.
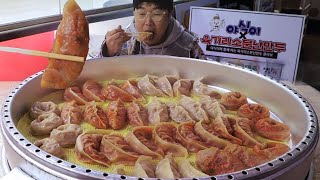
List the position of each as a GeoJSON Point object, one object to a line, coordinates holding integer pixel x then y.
{"type": "Point", "coordinates": [148, 18]}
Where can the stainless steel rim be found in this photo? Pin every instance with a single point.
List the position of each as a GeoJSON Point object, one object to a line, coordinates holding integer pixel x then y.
{"type": "Point", "coordinates": [4, 163]}
{"type": "Point", "coordinates": [59, 166]}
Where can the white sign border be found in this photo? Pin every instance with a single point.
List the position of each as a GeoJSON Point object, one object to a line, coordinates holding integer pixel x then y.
{"type": "Point", "coordinates": [265, 13]}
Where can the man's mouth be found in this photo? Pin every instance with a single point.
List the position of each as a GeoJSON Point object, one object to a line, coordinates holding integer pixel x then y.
{"type": "Point", "coordinates": [149, 36]}
{"type": "Point", "coordinates": [144, 35]}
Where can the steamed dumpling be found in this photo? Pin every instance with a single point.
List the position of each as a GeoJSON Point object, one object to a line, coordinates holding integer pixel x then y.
{"type": "Point", "coordinates": [131, 87]}
{"type": "Point", "coordinates": [50, 146]}
{"type": "Point", "coordinates": [120, 169]}
{"type": "Point", "coordinates": [118, 150]}
{"type": "Point", "coordinates": [218, 128]}
{"type": "Point", "coordinates": [194, 109]}
{"type": "Point", "coordinates": [71, 113]}
{"type": "Point", "coordinates": [92, 91]}
{"type": "Point", "coordinates": [113, 93]}
{"type": "Point", "coordinates": [172, 78]}
{"type": "Point", "coordinates": [272, 150]}
{"type": "Point", "coordinates": [167, 168]}
{"type": "Point", "coordinates": [147, 86]}
{"type": "Point", "coordinates": [200, 88]}
{"type": "Point", "coordinates": [66, 135]}
{"type": "Point", "coordinates": [214, 161]}
{"type": "Point", "coordinates": [178, 113]}
{"type": "Point", "coordinates": [201, 130]}
{"type": "Point", "coordinates": [141, 141]}
{"type": "Point", "coordinates": [165, 84]}
{"type": "Point", "coordinates": [165, 135]}
{"type": "Point", "coordinates": [253, 112]}
{"type": "Point", "coordinates": [246, 155]}
{"type": "Point", "coordinates": [182, 87]}
{"type": "Point", "coordinates": [45, 123]}
{"type": "Point", "coordinates": [74, 94]}
{"type": "Point", "coordinates": [87, 149]}
{"type": "Point", "coordinates": [188, 171]}
{"type": "Point", "coordinates": [39, 108]}
{"type": "Point", "coordinates": [144, 167]}
{"type": "Point", "coordinates": [157, 112]}
{"type": "Point", "coordinates": [272, 129]}
{"type": "Point", "coordinates": [95, 116]}
{"type": "Point", "coordinates": [211, 106]}
{"type": "Point", "coordinates": [137, 114]}
{"type": "Point", "coordinates": [233, 100]}
{"type": "Point", "coordinates": [188, 138]}
{"type": "Point", "coordinates": [117, 114]}
{"type": "Point", "coordinates": [243, 129]}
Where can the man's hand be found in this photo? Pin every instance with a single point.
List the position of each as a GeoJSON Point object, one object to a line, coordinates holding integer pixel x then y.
{"type": "Point", "coordinates": [115, 39]}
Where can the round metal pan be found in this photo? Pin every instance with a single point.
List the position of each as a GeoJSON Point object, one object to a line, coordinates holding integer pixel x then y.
{"type": "Point", "coordinates": [284, 102]}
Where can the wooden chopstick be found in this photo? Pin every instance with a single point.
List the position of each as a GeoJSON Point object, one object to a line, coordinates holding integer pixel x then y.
{"type": "Point", "coordinates": [135, 34]}
{"type": "Point", "coordinates": [42, 54]}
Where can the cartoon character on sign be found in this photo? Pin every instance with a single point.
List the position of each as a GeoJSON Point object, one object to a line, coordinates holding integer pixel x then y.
{"type": "Point", "coordinates": [216, 23]}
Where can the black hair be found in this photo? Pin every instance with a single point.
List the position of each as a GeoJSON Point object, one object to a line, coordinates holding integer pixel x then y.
{"type": "Point", "coordinates": [161, 4]}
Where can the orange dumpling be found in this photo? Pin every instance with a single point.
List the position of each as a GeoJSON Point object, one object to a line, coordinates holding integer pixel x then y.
{"type": "Point", "coordinates": [113, 92]}
{"type": "Point", "coordinates": [117, 150]}
{"type": "Point", "coordinates": [72, 38]}
{"type": "Point", "coordinates": [116, 113]}
{"type": "Point", "coordinates": [165, 135]}
{"type": "Point", "coordinates": [91, 89]}
{"type": "Point", "coordinates": [141, 140]}
{"type": "Point", "coordinates": [137, 114]}
{"type": "Point", "coordinates": [214, 161]}
{"type": "Point", "coordinates": [95, 116]}
{"type": "Point", "coordinates": [87, 149]}
{"type": "Point", "coordinates": [71, 113]}
{"type": "Point", "coordinates": [188, 138]}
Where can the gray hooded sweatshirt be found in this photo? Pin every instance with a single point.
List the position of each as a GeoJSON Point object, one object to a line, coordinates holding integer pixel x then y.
{"type": "Point", "coordinates": [178, 42]}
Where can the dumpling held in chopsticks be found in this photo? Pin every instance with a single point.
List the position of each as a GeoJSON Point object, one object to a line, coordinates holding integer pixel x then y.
{"type": "Point", "coordinates": [72, 38]}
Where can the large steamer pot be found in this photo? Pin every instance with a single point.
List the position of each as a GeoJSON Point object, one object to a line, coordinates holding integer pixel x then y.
{"type": "Point", "coordinates": [284, 102]}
